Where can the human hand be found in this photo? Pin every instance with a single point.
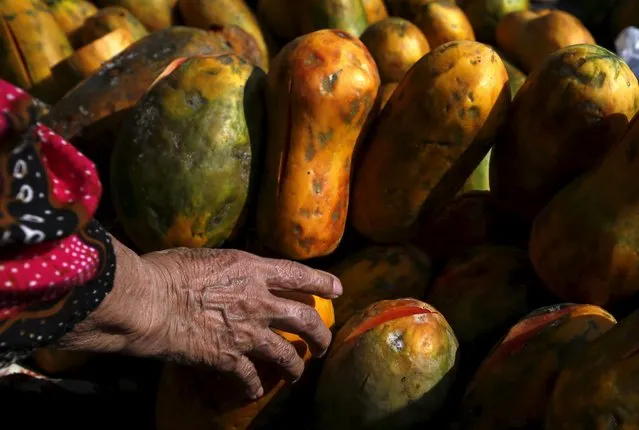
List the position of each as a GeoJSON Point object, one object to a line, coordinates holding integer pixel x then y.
{"type": "Point", "coordinates": [211, 307]}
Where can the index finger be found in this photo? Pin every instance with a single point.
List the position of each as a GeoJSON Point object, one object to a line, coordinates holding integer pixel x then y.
{"type": "Point", "coordinates": [284, 275]}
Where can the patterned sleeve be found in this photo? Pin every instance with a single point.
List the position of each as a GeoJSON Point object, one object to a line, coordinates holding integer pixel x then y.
{"type": "Point", "coordinates": [56, 262]}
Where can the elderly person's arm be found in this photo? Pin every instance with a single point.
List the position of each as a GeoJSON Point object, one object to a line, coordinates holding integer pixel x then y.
{"type": "Point", "coordinates": [65, 282]}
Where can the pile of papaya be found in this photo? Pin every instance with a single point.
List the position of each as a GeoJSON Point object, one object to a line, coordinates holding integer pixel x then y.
{"type": "Point", "coordinates": [464, 167]}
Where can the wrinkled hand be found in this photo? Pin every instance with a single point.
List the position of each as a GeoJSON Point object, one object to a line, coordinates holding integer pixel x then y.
{"type": "Point", "coordinates": [212, 307]}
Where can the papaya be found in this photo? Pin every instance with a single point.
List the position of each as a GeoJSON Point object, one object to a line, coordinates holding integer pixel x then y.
{"type": "Point", "coordinates": [583, 243]}
{"type": "Point", "coordinates": [420, 154]}
{"type": "Point", "coordinates": [407, 9]}
{"type": "Point", "coordinates": [192, 138]}
{"type": "Point", "coordinates": [154, 14]}
{"type": "Point", "coordinates": [379, 273]}
{"type": "Point", "coordinates": [513, 385]}
{"type": "Point", "coordinates": [598, 389]}
{"type": "Point", "coordinates": [346, 15]}
{"type": "Point", "coordinates": [321, 95]}
{"type": "Point", "coordinates": [31, 43]}
{"type": "Point", "coordinates": [87, 60]}
{"type": "Point", "coordinates": [391, 366]}
{"type": "Point", "coordinates": [530, 36]}
{"type": "Point", "coordinates": [110, 19]}
{"type": "Point", "coordinates": [71, 15]}
{"type": "Point", "coordinates": [395, 44]}
{"type": "Point", "coordinates": [198, 399]}
{"type": "Point", "coordinates": [443, 21]}
{"type": "Point", "coordinates": [375, 10]}
{"type": "Point", "coordinates": [90, 115]}
{"type": "Point", "coordinates": [625, 13]}
{"type": "Point", "coordinates": [204, 14]}
{"type": "Point", "coordinates": [566, 116]}
{"type": "Point", "coordinates": [484, 15]}
{"type": "Point", "coordinates": [484, 290]}
{"type": "Point", "coordinates": [386, 92]}
{"type": "Point", "coordinates": [54, 361]}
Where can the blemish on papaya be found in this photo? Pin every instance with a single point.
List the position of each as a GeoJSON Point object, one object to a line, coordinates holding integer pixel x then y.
{"type": "Point", "coordinates": [313, 60]}
{"type": "Point", "coordinates": [353, 111]}
{"type": "Point", "coordinates": [325, 137]}
{"type": "Point", "coordinates": [195, 100]}
{"type": "Point", "coordinates": [448, 46]}
{"type": "Point", "coordinates": [305, 213]}
{"type": "Point", "coordinates": [474, 112]}
{"type": "Point", "coordinates": [309, 154]}
{"type": "Point", "coordinates": [329, 82]}
{"type": "Point", "coordinates": [225, 59]}
{"type": "Point", "coordinates": [343, 35]}
{"type": "Point", "coordinates": [296, 229]}
{"type": "Point", "coordinates": [318, 185]}
{"type": "Point", "coordinates": [181, 231]}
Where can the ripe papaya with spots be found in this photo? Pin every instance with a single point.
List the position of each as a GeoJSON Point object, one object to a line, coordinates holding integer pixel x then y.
{"type": "Point", "coordinates": [90, 115]}
{"type": "Point", "coordinates": [197, 399]}
{"type": "Point", "coordinates": [442, 141]}
{"type": "Point", "coordinates": [71, 15]}
{"type": "Point", "coordinates": [443, 21]}
{"type": "Point", "coordinates": [321, 95]}
{"type": "Point", "coordinates": [154, 14]}
{"type": "Point", "coordinates": [379, 273]}
{"type": "Point", "coordinates": [513, 385]}
{"type": "Point", "coordinates": [395, 44]}
{"type": "Point", "coordinates": [484, 290]}
{"type": "Point", "coordinates": [598, 389]}
{"type": "Point", "coordinates": [391, 366]}
{"type": "Point", "coordinates": [530, 36]}
{"type": "Point", "coordinates": [375, 10]}
{"type": "Point", "coordinates": [584, 243]}
{"type": "Point", "coordinates": [484, 15]}
{"type": "Point", "coordinates": [108, 20]}
{"type": "Point", "coordinates": [192, 137]}
{"type": "Point", "coordinates": [31, 43]}
{"type": "Point", "coordinates": [567, 115]}
{"type": "Point", "coordinates": [204, 14]}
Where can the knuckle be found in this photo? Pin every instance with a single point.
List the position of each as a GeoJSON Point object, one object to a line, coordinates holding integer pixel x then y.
{"type": "Point", "coordinates": [309, 317]}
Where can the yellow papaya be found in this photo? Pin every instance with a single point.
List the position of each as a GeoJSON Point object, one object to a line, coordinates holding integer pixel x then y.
{"type": "Point", "coordinates": [71, 15]}
{"type": "Point", "coordinates": [154, 14]}
{"type": "Point", "coordinates": [530, 36]}
{"type": "Point", "coordinates": [436, 128]}
{"type": "Point", "coordinates": [346, 15]}
{"type": "Point", "coordinates": [395, 44]}
{"type": "Point", "coordinates": [204, 14]}
{"type": "Point", "coordinates": [585, 244]}
{"type": "Point", "coordinates": [110, 19]}
{"type": "Point", "coordinates": [567, 115]}
{"type": "Point", "coordinates": [375, 10]}
{"type": "Point", "coordinates": [31, 43]}
{"type": "Point", "coordinates": [321, 93]}
{"type": "Point", "coordinates": [443, 21]}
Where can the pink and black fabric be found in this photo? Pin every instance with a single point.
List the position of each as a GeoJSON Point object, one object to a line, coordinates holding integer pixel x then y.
{"type": "Point", "coordinates": [56, 262]}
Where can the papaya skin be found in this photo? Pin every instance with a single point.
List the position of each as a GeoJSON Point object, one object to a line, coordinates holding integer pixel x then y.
{"type": "Point", "coordinates": [71, 15]}
{"type": "Point", "coordinates": [321, 95]}
{"type": "Point", "coordinates": [484, 15]}
{"type": "Point", "coordinates": [27, 55]}
{"type": "Point", "coordinates": [346, 15]}
{"type": "Point", "coordinates": [528, 360]}
{"type": "Point", "coordinates": [584, 245]}
{"type": "Point", "coordinates": [530, 36]}
{"type": "Point", "coordinates": [599, 387]}
{"type": "Point", "coordinates": [185, 127]}
{"type": "Point", "coordinates": [395, 44]}
{"type": "Point", "coordinates": [442, 141]}
{"type": "Point", "coordinates": [110, 19]}
{"type": "Point", "coordinates": [379, 273]}
{"type": "Point", "coordinates": [386, 92]}
{"type": "Point", "coordinates": [375, 11]}
{"type": "Point", "coordinates": [443, 21]}
{"type": "Point", "coordinates": [389, 367]}
{"type": "Point", "coordinates": [196, 399]}
{"type": "Point", "coordinates": [566, 116]}
{"type": "Point", "coordinates": [154, 14]}
{"type": "Point", "coordinates": [203, 14]}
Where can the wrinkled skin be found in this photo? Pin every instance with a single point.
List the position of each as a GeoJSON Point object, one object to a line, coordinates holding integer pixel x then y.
{"type": "Point", "coordinates": [209, 307]}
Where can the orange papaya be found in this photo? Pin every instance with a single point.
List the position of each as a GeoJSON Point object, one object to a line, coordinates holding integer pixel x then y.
{"type": "Point", "coordinates": [71, 15]}
{"type": "Point", "coordinates": [154, 14]}
{"type": "Point", "coordinates": [109, 19]}
{"type": "Point", "coordinates": [195, 399]}
{"type": "Point", "coordinates": [568, 114]}
{"type": "Point", "coordinates": [375, 10]}
{"type": "Point", "coordinates": [484, 15]}
{"type": "Point", "coordinates": [419, 154]}
{"type": "Point", "coordinates": [530, 36]}
{"type": "Point", "coordinates": [390, 366]}
{"type": "Point", "coordinates": [321, 95]}
{"type": "Point", "coordinates": [513, 385]}
{"type": "Point", "coordinates": [443, 21]}
{"type": "Point", "coordinates": [395, 44]}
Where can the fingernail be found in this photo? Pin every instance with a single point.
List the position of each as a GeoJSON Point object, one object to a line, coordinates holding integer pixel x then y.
{"type": "Point", "coordinates": [259, 393]}
{"type": "Point", "coordinates": [337, 288]}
